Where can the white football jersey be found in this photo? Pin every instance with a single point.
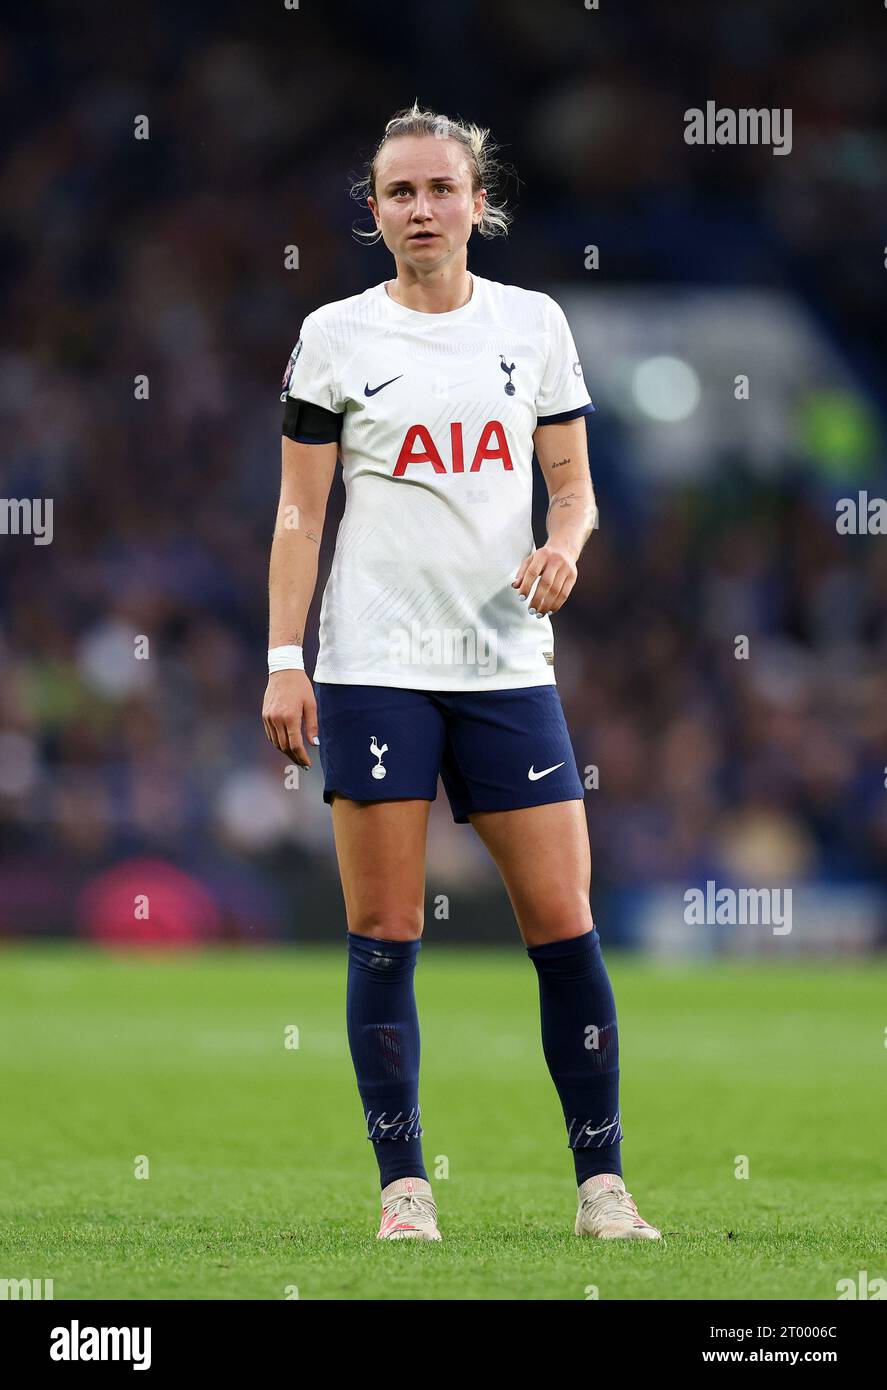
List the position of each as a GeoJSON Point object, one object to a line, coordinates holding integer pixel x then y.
{"type": "Point", "coordinates": [436, 448]}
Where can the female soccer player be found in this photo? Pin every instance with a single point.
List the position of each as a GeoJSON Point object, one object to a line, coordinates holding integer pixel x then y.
{"type": "Point", "coordinates": [436, 647]}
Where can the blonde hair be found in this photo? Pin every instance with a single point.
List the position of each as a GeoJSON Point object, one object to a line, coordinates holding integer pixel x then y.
{"type": "Point", "coordinates": [486, 170]}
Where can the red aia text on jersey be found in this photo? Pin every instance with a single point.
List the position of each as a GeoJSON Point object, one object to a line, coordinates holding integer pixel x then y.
{"type": "Point", "coordinates": [419, 447]}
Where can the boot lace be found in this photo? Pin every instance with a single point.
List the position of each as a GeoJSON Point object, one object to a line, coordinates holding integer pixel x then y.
{"type": "Point", "coordinates": [608, 1201]}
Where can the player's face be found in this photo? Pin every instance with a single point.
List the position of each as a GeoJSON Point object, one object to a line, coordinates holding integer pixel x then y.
{"type": "Point", "coordinates": [423, 185]}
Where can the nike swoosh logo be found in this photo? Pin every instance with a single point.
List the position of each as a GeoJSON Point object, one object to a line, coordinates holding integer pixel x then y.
{"type": "Point", "coordinates": [534, 776]}
{"type": "Point", "coordinates": [371, 390]}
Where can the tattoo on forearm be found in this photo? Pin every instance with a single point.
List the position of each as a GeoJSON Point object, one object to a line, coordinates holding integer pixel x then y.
{"type": "Point", "coordinates": [558, 463]}
{"type": "Point", "coordinates": [566, 500]}
{"type": "Point", "coordinates": [312, 537]}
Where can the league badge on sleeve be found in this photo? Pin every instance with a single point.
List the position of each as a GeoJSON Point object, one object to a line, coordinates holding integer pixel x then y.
{"type": "Point", "coordinates": [287, 376]}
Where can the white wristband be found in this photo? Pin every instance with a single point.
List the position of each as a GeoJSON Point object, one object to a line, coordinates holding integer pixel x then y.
{"type": "Point", "coordinates": [285, 659]}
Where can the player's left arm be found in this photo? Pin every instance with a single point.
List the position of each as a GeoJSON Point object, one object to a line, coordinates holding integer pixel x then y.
{"type": "Point", "coordinates": [562, 451]}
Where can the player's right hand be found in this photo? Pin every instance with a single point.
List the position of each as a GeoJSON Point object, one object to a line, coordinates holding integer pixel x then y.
{"type": "Point", "coordinates": [289, 700]}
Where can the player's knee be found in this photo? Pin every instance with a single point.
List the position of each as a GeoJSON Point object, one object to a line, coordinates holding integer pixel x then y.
{"type": "Point", "coordinates": [389, 926]}
{"type": "Point", "coordinates": [539, 928]}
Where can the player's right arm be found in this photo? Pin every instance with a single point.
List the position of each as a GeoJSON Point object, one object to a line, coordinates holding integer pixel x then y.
{"type": "Point", "coordinates": [306, 477]}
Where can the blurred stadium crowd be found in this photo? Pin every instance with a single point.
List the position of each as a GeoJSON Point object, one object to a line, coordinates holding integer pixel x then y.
{"type": "Point", "coordinates": [165, 258]}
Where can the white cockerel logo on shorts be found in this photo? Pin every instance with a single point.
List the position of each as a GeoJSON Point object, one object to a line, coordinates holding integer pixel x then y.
{"type": "Point", "coordinates": [378, 771]}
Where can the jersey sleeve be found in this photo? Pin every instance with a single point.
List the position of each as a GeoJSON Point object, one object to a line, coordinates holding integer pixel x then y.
{"type": "Point", "coordinates": [310, 372]}
{"type": "Point", "coordinates": [562, 393]}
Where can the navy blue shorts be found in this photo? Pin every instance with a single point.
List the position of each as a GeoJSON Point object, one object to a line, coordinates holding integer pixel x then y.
{"type": "Point", "coordinates": [495, 750]}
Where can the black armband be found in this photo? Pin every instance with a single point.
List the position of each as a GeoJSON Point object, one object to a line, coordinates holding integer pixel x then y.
{"type": "Point", "coordinates": [311, 424]}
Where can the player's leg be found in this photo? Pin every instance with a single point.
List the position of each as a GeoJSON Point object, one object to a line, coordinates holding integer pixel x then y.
{"type": "Point", "coordinates": [544, 858]}
{"type": "Point", "coordinates": [509, 768]}
{"type": "Point", "coordinates": [380, 749]}
{"type": "Point", "coordinates": [543, 855]}
{"type": "Point", "coordinates": [380, 847]}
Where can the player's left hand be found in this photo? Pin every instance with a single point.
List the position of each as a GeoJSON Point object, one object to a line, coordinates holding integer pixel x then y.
{"type": "Point", "coordinates": [556, 570]}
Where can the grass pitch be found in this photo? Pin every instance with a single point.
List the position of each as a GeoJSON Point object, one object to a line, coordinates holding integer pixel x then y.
{"type": "Point", "coordinates": [261, 1180]}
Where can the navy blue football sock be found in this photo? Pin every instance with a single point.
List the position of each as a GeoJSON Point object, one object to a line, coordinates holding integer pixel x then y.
{"type": "Point", "coordinates": [383, 1034]}
{"type": "Point", "coordinates": [581, 1046]}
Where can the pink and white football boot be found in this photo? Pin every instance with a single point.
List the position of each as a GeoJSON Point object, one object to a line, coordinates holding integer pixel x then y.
{"type": "Point", "coordinates": [408, 1211]}
{"type": "Point", "coordinates": [607, 1210]}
